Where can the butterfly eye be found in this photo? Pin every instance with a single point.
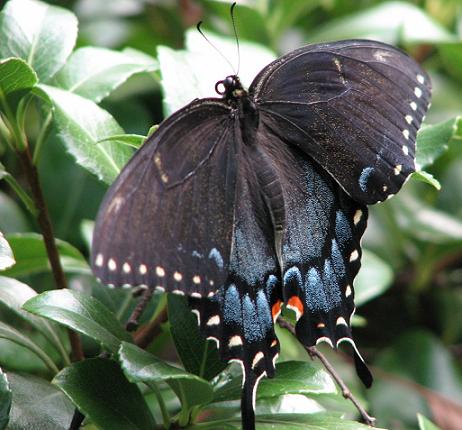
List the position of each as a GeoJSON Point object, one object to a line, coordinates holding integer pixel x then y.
{"type": "Point", "coordinates": [220, 87]}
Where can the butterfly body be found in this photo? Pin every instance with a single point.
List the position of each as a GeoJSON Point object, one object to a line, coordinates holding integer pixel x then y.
{"type": "Point", "coordinates": [259, 198]}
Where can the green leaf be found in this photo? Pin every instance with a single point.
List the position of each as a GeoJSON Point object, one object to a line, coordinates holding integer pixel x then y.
{"type": "Point", "coordinates": [132, 140]}
{"type": "Point", "coordinates": [451, 56]}
{"type": "Point", "coordinates": [40, 34]}
{"type": "Point", "coordinates": [433, 140]}
{"type": "Point", "coordinates": [5, 400]}
{"type": "Point", "coordinates": [81, 313]}
{"type": "Point", "coordinates": [12, 217]}
{"type": "Point", "coordinates": [15, 75]}
{"type": "Point", "coordinates": [31, 256]}
{"type": "Point", "coordinates": [292, 377]}
{"type": "Point", "coordinates": [426, 223]}
{"type": "Point", "coordinates": [82, 124]}
{"type": "Point", "coordinates": [426, 177]}
{"type": "Point", "coordinates": [420, 356]}
{"type": "Point", "coordinates": [319, 421]}
{"type": "Point", "coordinates": [374, 278]}
{"type": "Point", "coordinates": [141, 366]}
{"type": "Point", "coordinates": [284, 13]}
{"type": "Point", "coordinates": [185, 78]}
{"type": "Point", "coordinates": [13, 294]}
{"type": "Point", "coordinates": [13, 335]}
{"type": "Point", "coordinates": [38, 405]}
{"type": "Point", "coordinates": [101, 391]}
{"type": "Point", "coordinates": [425, 423]}
{"type": "Point", "coordinates": [95, 72]}
{"type": "Point", "coordinates": [391, 22]}
{"type": "Point", "coordinates": [16, 187]}
{"type": "Point", "coordinates": [198, 355]}
{"type": "Point", "coordinates": [6, 254]}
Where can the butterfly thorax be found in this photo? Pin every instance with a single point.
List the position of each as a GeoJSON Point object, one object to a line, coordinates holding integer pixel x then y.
{"type": "Point", "coordinates": [235, 95]}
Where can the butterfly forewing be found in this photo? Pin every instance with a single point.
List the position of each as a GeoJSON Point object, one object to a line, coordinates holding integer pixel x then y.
{"type": "Point", "coordinates": [354, 106]}
{"type": "Point", "coordinates": [167, 220]}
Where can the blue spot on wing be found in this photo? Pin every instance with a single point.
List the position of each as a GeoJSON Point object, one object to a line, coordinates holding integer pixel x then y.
{"type": "Point", "coordinates": [293, 275]}
{"type": "Point", "coordinates": [364, 177]}
{"type": "Point", "coordinates": [337, 260]}
{"type": "Point", "coordinates": [342, 228]}
{"type": "Point", "coordinates": [252, 331]}
{"type": "Point", "coordinates": [308, 222]}
{"type": "Point", "coordinates": [315, 295]}
{"type": "Point", "coordinates": [216, 256]}
{"type": "Point", "coordinates": [271, 284]}
{"type": "Point", "coordinates": [264, 313]}
{"type": "Point", "coordinates": [232, 308]}
{"type": "Point", "coordinates": [331, 285]}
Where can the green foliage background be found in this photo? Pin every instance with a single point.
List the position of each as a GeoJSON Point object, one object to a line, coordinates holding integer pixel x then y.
{"type": "Point", "coordinates": [81, 85]}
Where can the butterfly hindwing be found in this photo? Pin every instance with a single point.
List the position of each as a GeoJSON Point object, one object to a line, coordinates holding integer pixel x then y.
{"type": "Point", "coordinates": [167, 220]}
{"type": "Point", "coordinates": [321, 250]}
{"type": "Point", "coordinates": [240, 316]}
{"type": "Point", "coordinates": [351, 103]}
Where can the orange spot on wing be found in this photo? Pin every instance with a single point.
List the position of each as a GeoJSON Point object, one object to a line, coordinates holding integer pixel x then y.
{"type": "Point", "coordinates": [295, 302]}
{"type": "Point", "coordinates": [276, 309]}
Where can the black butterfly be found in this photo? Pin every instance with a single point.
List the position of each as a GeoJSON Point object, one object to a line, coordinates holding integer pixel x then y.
{"type": "Point", "coordinates": [259, 198]}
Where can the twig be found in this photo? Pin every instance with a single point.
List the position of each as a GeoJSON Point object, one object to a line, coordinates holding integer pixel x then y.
{"type": "Point", "coordinates": [43, 219]}
{"type": "Point", "coordinates": [347, 394]}
{"type": "Point", "coordinates": [132, 322]}
{"type": "Point", "coordinates": [146, 334]}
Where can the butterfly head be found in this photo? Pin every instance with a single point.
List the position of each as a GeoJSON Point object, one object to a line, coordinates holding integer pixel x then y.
{"type": "Point", "coordinates": [230, 88]}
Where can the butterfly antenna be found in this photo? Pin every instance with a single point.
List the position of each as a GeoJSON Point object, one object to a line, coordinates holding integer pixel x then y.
{"type": "Point", "coordinates": [237, 38]}
{"type": "Point", "coordinates": [199, 29]}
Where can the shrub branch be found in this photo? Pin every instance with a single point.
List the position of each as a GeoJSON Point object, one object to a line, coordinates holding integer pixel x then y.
{"type": "Point", "coordinates": [43, 219]}
{"type": "Point", "coordinates": [347, 394]}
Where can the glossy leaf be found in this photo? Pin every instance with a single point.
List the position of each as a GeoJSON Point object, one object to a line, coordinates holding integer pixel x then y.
{"type": "Point", "coordinates": [451, 55]}
{"type": "Point", "coordinates": [141, 366]}
{"type": "Point", "coordinates": [6, 254]}
{"type": "Point", "coordinates": [94, 73]}
{"type": "Point", "coordinates": [420, 356]}
{"type": "Point", "coordinates": [318, 421]}
{"type": "Point", "coordinates": [132, 140]}
{"type": "Point", "coordinates": [425, 423]}
{"type": "Point", "coordinates": [284, 13]}
{"type": "Point", "coordinates": [81, 313]}
{"type": "Point", "coordinates": [40, 34]}
{"type": "Point", "coordinates": [374, 278]}
{"type": "Point", "coordinates": [198, 355]}
{"type": "Point", "coordinates": [433, 140]}
{"type": "Point", "coordinates": [18, 189]}
{"type": "Point", "coordinates": [5, 400]}
{"type": "Point", "coordinates": [292, 377]}
{"type": "Point", "coordinates": [38, 405]}
{"type": "Point", "coordinates": [101, 391]}
{"type": "Point", "coordinates": [427, 223]}
{"type": "Point", "coordinates": [10, 333]}
{"type": "Point", "coordinates": [185, 78]}
{"type": "Point", "coordinates": [82, 124]}
{"type": "Point", "coordinates": [31, 256]}
{"type": "Point", "coordinates": [15, 75]}
{"type": "Point", "coordinates": [426, 177]}
{"type": "Point", "coordinates": [13, 294]}
{"type": "Point", "coordinates": [11, 214]}
{"type": "Point", "coordinates": [391, 22]}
